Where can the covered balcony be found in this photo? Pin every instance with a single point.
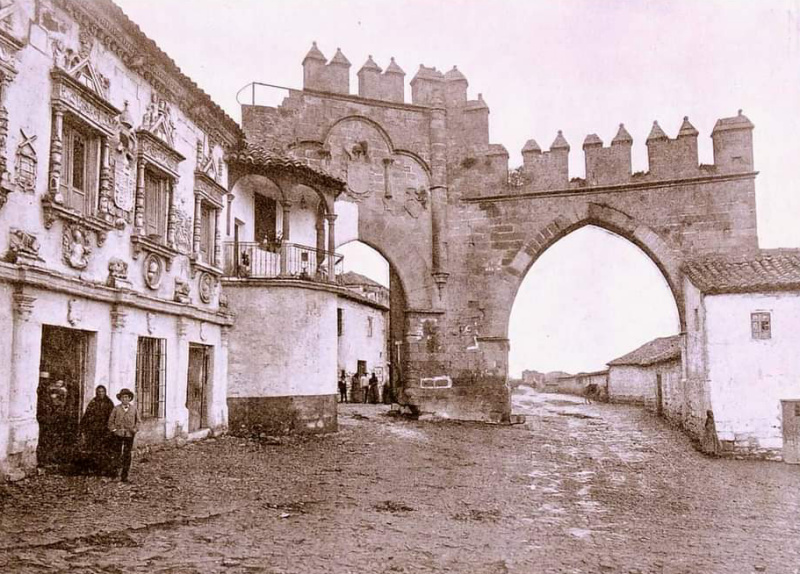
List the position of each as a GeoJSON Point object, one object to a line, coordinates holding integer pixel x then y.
{"type": "Point", "coordinates": [281, 222]}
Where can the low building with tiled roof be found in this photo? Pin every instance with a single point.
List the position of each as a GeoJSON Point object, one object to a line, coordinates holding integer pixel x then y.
{"type": "Point", "coordinates": [742, 341]}
{"type": "Point", "coordinates": [652, 352]}
{"type": "Point", "coordinates": [649, 375]}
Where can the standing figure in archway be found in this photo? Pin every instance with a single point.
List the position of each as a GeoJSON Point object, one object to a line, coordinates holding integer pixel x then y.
{"type": "Point", "coordinates": [710, 443]}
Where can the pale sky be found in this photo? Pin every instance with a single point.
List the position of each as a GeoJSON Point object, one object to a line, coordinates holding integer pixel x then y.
{"type": "Point", "coordinates": [582, 66]}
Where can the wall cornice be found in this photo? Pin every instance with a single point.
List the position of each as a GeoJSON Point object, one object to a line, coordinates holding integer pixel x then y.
{"type": "Point", "coordinates": [52, 281]}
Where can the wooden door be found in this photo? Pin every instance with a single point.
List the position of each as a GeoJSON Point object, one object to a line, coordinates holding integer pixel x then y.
{"type": "Point", "coordinates": [264, 217]}
{"type": "Point", "coordinates": [791, 431]}
{"type": "Point", "coordinates": [659, 395]}
{"type": "Point", "coordinates": [197, 380]}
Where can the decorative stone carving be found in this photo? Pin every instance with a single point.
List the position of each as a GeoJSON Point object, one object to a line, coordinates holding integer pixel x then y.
{"type": "Point", "coordinates": [414, 206]}
{"type": "Point", "coordinates": [203, 332]}
{"type": "Point", "coordinates": [151, 322]}
{"type": "Point", "coordinates": [158, 120]}
{"type": "Point", "coordinates": [78, 64]}
{"type": "Point", "coordinates": [118, 274]}
{"type": "Point", "coordinates": [181, 326]}
{"type": "Point", "coordinates": [124, 163]}
{"type": "Point", "coordinates": [183, 231]}
{"type": "Point", "coordinates": [75, 245]}
{"type": "Point", "coordinates": [23, 248]}
{"type": "Point", "coordinates": [22, 304]}
{"type": "Point", "coordinates": [153, 271]}
{"type": "Point", "coordinates": [26, 163]}
{"type": "Point", "coordinates": [118, 316]}
{"type": "Point", "coordinates": [223, 301]}
{"type": "Point", "coordinates": [75, 311]}
{"type": "Point", "coordinates": [205, 287]}
{"type": "Point", "coordinates": [182, 290]}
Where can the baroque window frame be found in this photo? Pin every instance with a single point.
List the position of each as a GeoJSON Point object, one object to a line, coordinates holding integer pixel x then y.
{"type": "Point", "coordinates": [78, 107]}
{"type": "Point", "coordinates": [210, 195]}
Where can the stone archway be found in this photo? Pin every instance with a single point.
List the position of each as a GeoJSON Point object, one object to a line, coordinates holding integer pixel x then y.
{"type": "Point", "coordinates": [611, 219]}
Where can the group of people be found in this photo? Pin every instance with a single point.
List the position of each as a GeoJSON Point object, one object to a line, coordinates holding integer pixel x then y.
{"type": "Point", "coordinates": [363, 389]}
{"type": "Point", "coordinates": [106, 434]}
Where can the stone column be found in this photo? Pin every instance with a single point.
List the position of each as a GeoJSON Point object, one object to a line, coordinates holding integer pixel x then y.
{"type": "Point", "coordinates": [4, 81]}
{"type": "Point", "coordinates": [105, 178]}
{"type": "Point", "coordinates": [286, 206]}
{"type": "Point", "coordinates": [56, 156]}
{"type": "Point", "coordinates": [230, 197]}
{"type": "Point", "coordinates": [438, 199]}
{"type": "Point", "coordinates": [138, 218]}
{"type": "Point", "coordinates": [331, 217]}
{"type": "Point", "coordinates": [115, 382]}
{"type": "Point", "coordinates": [172, 215]}
{"type": "Point", "coordinates": [26, 342]}
{"type": "Point", "coordinates": [198, 215]}
{"type": "Point", "coordinates": [182, 369]}
{"type": "Point", "coordinates": [217, 241]}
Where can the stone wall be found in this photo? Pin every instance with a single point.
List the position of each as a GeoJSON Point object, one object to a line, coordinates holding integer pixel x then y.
{"type": "Point", "coordinates": [461, 230]}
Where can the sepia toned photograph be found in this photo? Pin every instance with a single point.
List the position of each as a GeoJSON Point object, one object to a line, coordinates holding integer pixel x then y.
{"type": "Point", "coordinates": [407, 287]}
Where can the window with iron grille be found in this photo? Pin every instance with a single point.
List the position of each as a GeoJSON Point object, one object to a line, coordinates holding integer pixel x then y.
{"type": "Point", "coordinates": [369, 326]}
{"type": "Point", "coordinates": [151, 377]}
{"type": "Point", "coordinates": [80, 180]}
{"type": "Point", "coordinates": [761, 325]}
{"type": "Point", "coordinates": [340, 321]}
{"type": "Point", "coordinates": [156, 204]}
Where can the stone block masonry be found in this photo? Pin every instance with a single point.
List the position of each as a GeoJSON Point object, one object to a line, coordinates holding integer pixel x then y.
{"type": "Point", "coordinates": [462, 233]}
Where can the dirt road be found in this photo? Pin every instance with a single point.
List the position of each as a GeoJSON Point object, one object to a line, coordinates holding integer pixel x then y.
{"type": "Point", "coordinates": [577, 489]}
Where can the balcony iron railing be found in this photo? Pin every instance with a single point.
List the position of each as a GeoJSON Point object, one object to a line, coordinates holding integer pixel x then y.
{"type": "Point", "coordinates": [248, 259]}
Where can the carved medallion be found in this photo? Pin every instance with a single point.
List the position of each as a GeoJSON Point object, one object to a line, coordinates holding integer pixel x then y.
{"type": "Point", "coordinates": [205, 287]}
{"type": "Point", "coordinates": [358, 179]}
{"type": "Point", "coordinates": [153, 271]}
{"type": "Point", "coordinates": [75, 246]}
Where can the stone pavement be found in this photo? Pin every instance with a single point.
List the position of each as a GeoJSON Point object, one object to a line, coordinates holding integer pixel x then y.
{"type": "Point", "coordinates": [577, 489]}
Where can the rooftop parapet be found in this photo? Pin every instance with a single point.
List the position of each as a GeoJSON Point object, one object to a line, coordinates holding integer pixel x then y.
{"type": "Point", "coordinates": [426, 84]}
{"type": "Point", "coordinates": [550, 169]}
{"type": "Point", "coordinates": [333, 76]}
{"type": "Point", "coordinates": [608, 165]}
{"type": "Point", "coordinates": [733, 144]}
{"type": "Point", "coordinates": [673, 158]}
{"type": "Point", "coordinates": [668, 158]}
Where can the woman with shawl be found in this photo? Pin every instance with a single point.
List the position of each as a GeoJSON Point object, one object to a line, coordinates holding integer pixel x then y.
{"type": "Point", "coordinates": [96, 440]}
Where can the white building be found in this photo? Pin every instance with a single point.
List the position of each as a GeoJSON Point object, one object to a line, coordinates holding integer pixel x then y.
{"type": "Point", "coordinates": [649, 375]}
{"type": "Point", "coordinates": [112, 184]}
{"type": "Point", "coordinates": [743, 351]}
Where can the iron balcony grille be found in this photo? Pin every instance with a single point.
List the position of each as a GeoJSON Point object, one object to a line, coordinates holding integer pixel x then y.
{"type": "Point", "coordinates": [248, 259]}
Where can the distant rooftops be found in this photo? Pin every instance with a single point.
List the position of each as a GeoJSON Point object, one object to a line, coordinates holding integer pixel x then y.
{"type": "Point", "coordinates": [765, 270]}
{"type": "Point", "coordinates": [655, 351]}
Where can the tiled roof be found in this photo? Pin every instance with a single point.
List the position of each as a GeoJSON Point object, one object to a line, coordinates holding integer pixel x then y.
{"type": "Point", "coordinates": [269, 162]}
{"type": "Point", "coordinates": [656, 351]}
{"type": "Point", "coordinates": [353, 278]}
{"type": "Point", "coordinates": [171, 66]}
{"type": "Point", "coordinates": [765, 270]}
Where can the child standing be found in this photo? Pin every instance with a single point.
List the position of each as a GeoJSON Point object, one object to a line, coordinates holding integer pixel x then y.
{"type": "Point", "coordinates": [123, 423]}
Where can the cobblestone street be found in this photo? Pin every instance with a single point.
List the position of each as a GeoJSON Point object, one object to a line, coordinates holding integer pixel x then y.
{"type": "Point", "coordinates": [578, 488]}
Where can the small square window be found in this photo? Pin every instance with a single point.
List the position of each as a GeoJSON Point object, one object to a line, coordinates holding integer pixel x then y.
{"type": "Point", "coordinates": [761, 325]}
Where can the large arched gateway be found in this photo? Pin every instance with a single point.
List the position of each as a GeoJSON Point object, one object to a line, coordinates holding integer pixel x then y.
{"type": "Point", "coordinates": [461, 230]}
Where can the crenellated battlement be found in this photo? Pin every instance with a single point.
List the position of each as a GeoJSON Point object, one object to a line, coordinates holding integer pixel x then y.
{"type": "Point", "coordinates": [667, 158]}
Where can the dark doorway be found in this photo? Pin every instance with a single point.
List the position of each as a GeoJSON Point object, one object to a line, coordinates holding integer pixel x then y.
{"type": "Point", "coordinates": [361, 368]}
{"type": "Point", "coordinates": [197, 382]}
{"type": "Point", "coordinates": [659, 395]}
{"type": "Point", "coordinates": [62, 373]}
{"type": "Point", "coordinates": [264, 217]}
